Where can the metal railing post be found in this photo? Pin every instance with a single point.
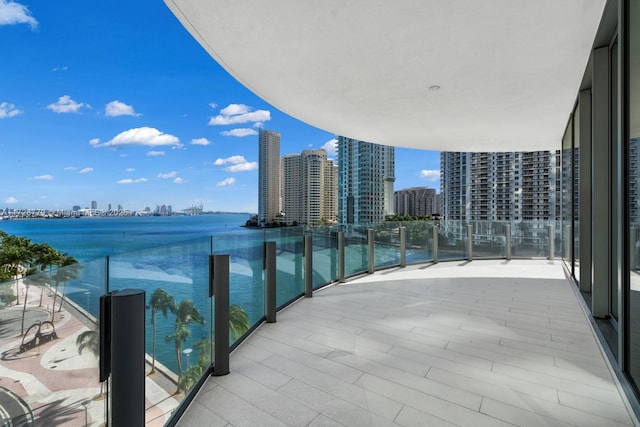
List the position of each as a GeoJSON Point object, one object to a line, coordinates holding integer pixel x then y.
{"type": "Point", "coordinates": [470, 242]}
{"type": "Point", "coordinates": [308, 265]}
{"type": "Point", "coordinates": [219, 289]}
{"type": "Point", "coordinates": [507, 240]}
{"type": "Point", "coordinates": [552, 236]}
{"type": "Point", "coordinates": [341, 256]}
{"type": "Point", "coordinates": [127, 330]}
{"type": "Point", "coordinates": [435, 244]}
{"type": "Point", "coordinates": [371, 244]}
{"type": "Point", "coordinates": [403, 246]}
{"type": "Point", "coordinates": [270, 281]}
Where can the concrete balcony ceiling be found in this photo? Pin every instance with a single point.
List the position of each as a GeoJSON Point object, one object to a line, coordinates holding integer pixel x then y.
{"type": "Point", "coordinates": [457, 75]}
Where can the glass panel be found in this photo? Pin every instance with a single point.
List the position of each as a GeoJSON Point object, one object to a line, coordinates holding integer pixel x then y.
{"type": "Point", "coordinates": [633, 151]}
{"type": "Point", "coordinates": [419, 237]}
{"type": "Point", "coordinates": [452, 240]}
{"type": "Point", "coordinates": [325, 256]}
{"type": "Point", "coordinates": [488, 239]}
{"type": "Point", "coordinates": [49, 338]}
{"type": "Point", "coordinates": [178, 334]}
{"type": "Point", "coordinates": [530, 239]}
{"type": "Point", "coordinates": [567, 193]}
{"type": "Point", "coordinates": [355, 250]}
{"type": "Point", "coordinates": [576, 193]}
{"type": "Point", "coordinates": [613, 58]}
{"type": "Point", "coordinates": [387, 244]}
{"type": "Point", "coordinates": [289, 262]}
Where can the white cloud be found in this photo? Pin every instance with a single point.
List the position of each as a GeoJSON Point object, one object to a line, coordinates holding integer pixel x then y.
{"type": "Point", "coordinates": [130, 169]}
{"type": "Point", "coordinates": [14, 13]}
{"type": "Point", "coordinates": [132, 181]}
{"type": "Point", "coordinates": [242, 167]}
{"type": "Point", "coordinates": [168, 175]}
{"type": "Point", "coordinates": [213, 105]}
{"type": "Point", "coordinates": [56, 69]}
{"type": "Point", "coordinates": [85, 170]}
{"type": "Point", "coordinates": [233, 160]}
{"type": "Point", "coordinates": [240, 132]}
{"type": "Point", "coordinates": [200, 141]}
{"type": "Point", "coordinates": [430, 175]}
{"type": "Point", "coordinates": [145, 136]}
{"type": "Point", "coordinates": [71, 168]}
{"type": "Point", "coordinates": [65, 104]}
{"type": "Point", "coordinates": [239, 113]}
{"type": "Point", "coordinates": [154, 153]}
{"type": "Point", "coordinates": [179, 180]}
{"type": "Point", "coordinates": [225, 182]}
{"type": "Point", "coordinates": [11, 200]}
{"type": "Point", "coordinates": [238, 164]}
{"type": "Point", "coordinates": [117, 108]}
{"type": "Point", "coordinates": [331, 147]}
{"type": "Point", "coordinates": [46, 177]}
{"type": "Point", "coordinates": [8, 110]}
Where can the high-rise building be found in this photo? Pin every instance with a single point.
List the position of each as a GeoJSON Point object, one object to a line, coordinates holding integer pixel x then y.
{"type": "Point", "coordinates": [416, 201]}
{"type": "Point", "coordinates": [499, 186]}
{"type": "Point", "coordinates": [366, 173]}
{"type": "Point", "coordinates": [309, 187]}
{"type": "Point", "coordinates": [94, 204]}
{"type": "Point", "coordinates": [268, 176]}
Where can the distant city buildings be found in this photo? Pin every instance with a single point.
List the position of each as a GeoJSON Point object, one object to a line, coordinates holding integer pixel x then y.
{"type": "Point", "coordinates": [366, 173]}
{"type": "Point", "coordinates": [499, 186]}
{"type": "Point", "coordinates": [268, 176]}
{"type": "Point", "coordinates": [309, 188]}
{"type": "Point", "coordinates": [417, 201]}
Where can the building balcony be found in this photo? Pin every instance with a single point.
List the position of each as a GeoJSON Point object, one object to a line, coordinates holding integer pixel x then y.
{"type": "Point", "coordinates": [496, 335]}
{"type": "Point", "coordinates": [481, 343]}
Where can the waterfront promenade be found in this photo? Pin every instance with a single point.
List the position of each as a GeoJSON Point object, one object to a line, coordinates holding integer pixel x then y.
{"type": "Point", "coordinates": [53, 383]}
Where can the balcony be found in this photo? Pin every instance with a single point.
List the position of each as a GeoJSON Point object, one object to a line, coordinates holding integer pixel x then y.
{"type": "Point", "coordinates": [482, 343]}
{"type": "Point", "coordinates": [465, 342]}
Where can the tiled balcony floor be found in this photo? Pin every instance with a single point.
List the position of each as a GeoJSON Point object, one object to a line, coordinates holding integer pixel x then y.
{"type": "Point", "coordinates": [485, 343]}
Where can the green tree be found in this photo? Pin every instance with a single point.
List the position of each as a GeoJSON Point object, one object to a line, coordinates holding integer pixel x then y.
{"type": "Point", "coordinates": [238, 321]}
{"type": "Point", "coordinates": [186, 313]}
{"type": "Point", "coordinates": [15, 258]}
{"type": "Point", "coordinates": [45, 257]}
{"type": "Point", "coordinates": [68, 269]}
{"type": "Point", "coordinates": [160, 301]}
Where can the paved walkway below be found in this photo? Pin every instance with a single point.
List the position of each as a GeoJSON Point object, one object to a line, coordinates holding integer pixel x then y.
{"type": "Point", "coordinates": [486, 343]}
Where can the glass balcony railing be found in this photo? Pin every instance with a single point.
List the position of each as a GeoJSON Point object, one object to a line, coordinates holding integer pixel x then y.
{"type": "Point", "coordinates": [50, 330]}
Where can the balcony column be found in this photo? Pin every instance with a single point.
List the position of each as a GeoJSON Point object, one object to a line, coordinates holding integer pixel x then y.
{"type": "Point", "coordinates": [470, 242]}
{"type": "Point", "coordinates": [434, 257]}
{"type": "Point", "coordinates": [403, 246]}
{"type": "Point", "coordinates": [308, 266]}
{"type": "Point", "coordinates": [552, 241]}
{"type": "Point", "coordinates": [270, 281]}
{"type": "Point", "coordinates": [341, 256]}
{"type": "Point", "coordinates": [371, 244]}
{"type": "Point", "coordinates": [507, 240]}
{"type": "Point", "coordinates": [219, 289]}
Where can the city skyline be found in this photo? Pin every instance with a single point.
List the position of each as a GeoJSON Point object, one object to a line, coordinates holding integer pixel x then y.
{"type": "Point", "coordinates": [108, 106]}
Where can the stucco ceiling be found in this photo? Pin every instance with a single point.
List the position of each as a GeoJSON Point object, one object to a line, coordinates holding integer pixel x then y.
{"type": "Point", "coordinates": [456, 75]}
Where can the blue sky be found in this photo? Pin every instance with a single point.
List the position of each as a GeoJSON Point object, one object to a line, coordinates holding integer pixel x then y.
{"type": "Point", "coordinates": [116, 102]}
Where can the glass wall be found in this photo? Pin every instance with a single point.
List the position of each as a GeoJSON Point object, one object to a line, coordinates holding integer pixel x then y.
{"type": "Point", "coordinates": [567, 194]}
{"type": "Point", "coordinates": [633, 178]}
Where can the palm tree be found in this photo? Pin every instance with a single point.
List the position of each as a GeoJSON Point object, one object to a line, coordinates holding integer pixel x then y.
{"type": "Point", "coordinates": [238, 321]}
{"type": "Point", "coordinates": [160, 301]}
{"type": "Point", "coordinates": [89, 340]}
{"type": "Point", "coordinates": [185, 313]}
{"type": "Point", "coordinates": [45, 257]}
{"type": "Point", "coordinates": [15, 257]}
{"type": "Point", "coordinates": [31, 278]}
{"type": "Point", "coordinates": [68, 269]}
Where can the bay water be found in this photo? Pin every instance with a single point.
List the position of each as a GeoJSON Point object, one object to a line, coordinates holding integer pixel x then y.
{"type": "Point", "coordinates": [151, 252]}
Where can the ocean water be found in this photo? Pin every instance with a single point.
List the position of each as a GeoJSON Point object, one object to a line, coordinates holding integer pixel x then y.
{"type": "Point", "coordinates": [156, 252]}
{"type": "Point", "coordinates": [89, 238]}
